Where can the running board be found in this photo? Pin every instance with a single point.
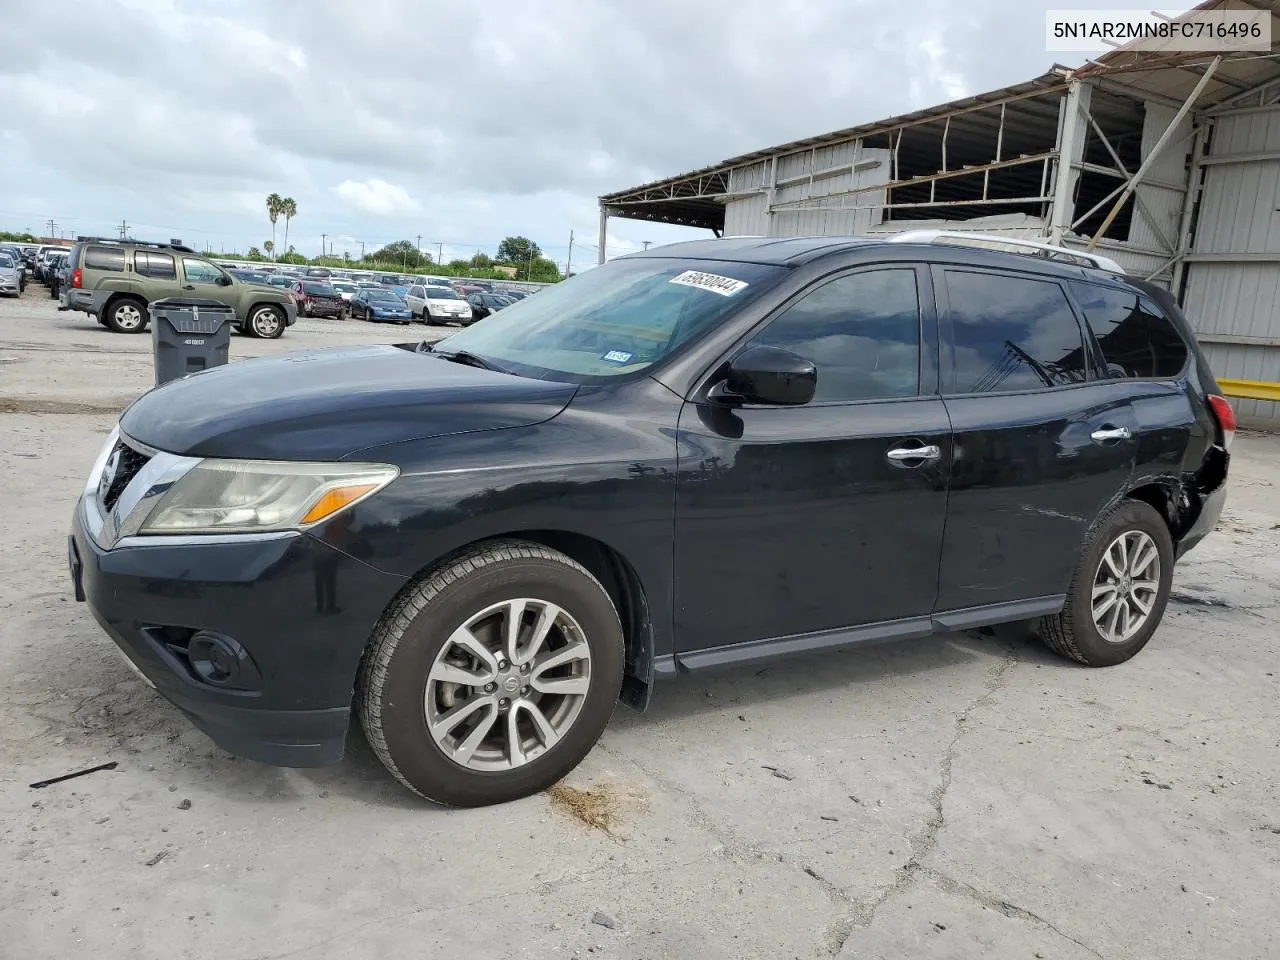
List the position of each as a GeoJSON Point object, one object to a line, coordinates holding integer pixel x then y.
{"type": "Point", "coordinates": [912, 628]}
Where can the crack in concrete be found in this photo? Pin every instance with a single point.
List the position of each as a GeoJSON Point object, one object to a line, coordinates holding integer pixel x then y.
{"type": "Point", "coordinates": [958, 888]}
{"type": "Point", "coordinates": [926, 839]}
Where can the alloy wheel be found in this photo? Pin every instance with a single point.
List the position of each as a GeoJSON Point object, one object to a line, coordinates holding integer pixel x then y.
{"type": "Point", "coordinates": [507, 685]}
{"type": "Point", "coordinates": [1126, 585]}
{"type": "Point", "coordinates": [128, 316]}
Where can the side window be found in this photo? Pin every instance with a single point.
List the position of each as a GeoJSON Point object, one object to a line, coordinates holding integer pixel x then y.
{"type": "Point", "coordinates": [200, 271]}
{"type": "Point", "coordinates": [1012, 333]}
{"type": "Point", "coordinates": [104, 258]}
{"type": "Point", "coordinates": [416, 293]}
{"type": "Point", "coordinates": [158, 265]}
{"type": "Point", "coordinates": [1136, 340]}
{"type": "Point", "coordinates": [862, 331]}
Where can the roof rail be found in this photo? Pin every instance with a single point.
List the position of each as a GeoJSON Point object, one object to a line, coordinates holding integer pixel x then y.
{"type": "Point", "coordinates": [171, 245]}
{"type": "Point", "coordinates": [1003, 244]}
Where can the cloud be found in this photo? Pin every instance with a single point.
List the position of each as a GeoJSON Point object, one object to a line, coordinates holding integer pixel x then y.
{"type": "Point", "coordinates": [465, 123]}
{"type": "Point", "coordinates": [376, 197]}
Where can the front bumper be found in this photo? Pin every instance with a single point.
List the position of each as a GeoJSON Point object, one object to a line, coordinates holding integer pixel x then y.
{"type": "Point", "coordinates": [301, 610]}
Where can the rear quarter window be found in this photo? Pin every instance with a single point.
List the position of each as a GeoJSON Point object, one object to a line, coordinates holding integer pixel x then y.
{"type": "Point", "coordinates": [1135, 339]}
{"type": "Point", "coordinates": [104, 258]}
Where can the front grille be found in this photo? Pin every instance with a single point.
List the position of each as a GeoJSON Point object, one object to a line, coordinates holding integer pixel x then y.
{"type": "Point", "coordinates": [128, 462]}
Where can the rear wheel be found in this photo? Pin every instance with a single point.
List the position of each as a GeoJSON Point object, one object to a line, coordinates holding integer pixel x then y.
{"type": "Point", "coordinates": [126, 315]}
{"type": "Point", "coordinates": [1119, 591]}
{"type": "Point", "coordinates": [265, 321]}
{"type": "Point", "coordinates": [492, 677]}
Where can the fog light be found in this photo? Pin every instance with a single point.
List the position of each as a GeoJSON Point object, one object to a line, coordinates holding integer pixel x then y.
{"type": "Point", "coordinates": [221, 662]}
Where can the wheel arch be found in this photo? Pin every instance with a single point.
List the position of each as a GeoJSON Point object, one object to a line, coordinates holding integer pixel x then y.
{"type": "Point", "coordinates": [1168, 498]}
{"type": "Point", "coordinates": [619, 579]}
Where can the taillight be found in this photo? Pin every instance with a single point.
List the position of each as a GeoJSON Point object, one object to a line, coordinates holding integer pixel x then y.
{"type": "Point", "coordinates": [1225, 416]}
{"type": "Point", "coordinates": [77, 278]}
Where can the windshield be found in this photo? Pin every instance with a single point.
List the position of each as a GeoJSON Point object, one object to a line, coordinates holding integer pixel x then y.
{"type": "Point", "coordinates": [343, 287]}
{"type": "Point", "coordinates": [318, 289]}
{"type": "Point", "coordinates": [5, 260]}
{"type": "Point", "coordinates": [616, 319]}
{"type": "Point", "coordinates": [441, 293]}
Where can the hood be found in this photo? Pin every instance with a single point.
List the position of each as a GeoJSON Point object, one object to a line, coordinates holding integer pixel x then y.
{"type": "Point", "coordinates": [329, 404]}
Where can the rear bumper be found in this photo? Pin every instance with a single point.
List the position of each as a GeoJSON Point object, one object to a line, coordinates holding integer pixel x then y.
{"type": "Point", "coordinates": [299, 609]}
{"type": "Point", "coordinates": [1211, 505]}
{"type": "Point", "coordinates": [88, 301]}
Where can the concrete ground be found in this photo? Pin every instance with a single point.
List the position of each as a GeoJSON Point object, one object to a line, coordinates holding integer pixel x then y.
{"type": "Point", "coordinates": [949, 798]}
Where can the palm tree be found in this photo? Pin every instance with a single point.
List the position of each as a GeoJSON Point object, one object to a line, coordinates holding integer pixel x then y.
{"type": "Point", "coordinates": [270, 247]}
{"type": "Point", "coordinates": [274, 209]}
{"type": "Point", "coordinates": [289, 208]}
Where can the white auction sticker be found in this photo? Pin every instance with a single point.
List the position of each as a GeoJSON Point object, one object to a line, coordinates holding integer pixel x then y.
{"type": "Point", "coordinates": [725, 286]}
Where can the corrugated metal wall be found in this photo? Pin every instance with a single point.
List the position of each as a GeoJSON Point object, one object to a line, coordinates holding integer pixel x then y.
{"type": "Point", "coordinates": [749, 215]}
{"type": "Point", "coordinates": [1239, 218]}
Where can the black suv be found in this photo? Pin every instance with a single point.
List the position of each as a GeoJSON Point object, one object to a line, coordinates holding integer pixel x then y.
{"type": "Point", "coordinates": [702, 455]}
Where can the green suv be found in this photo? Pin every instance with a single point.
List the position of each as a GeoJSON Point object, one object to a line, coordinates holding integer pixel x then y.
{"type": "Point", "coordinates": [115, 280]}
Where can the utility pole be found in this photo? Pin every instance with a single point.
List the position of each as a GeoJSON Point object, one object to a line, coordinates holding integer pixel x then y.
{"type": "Point", "coordinates": [52, 226]}
{"type": "Point", "coordinates": [124, 229]}
{"type": "Point", "coordinates": [439, 253]}
{"type": "Point", "coordinates": [568, 264]}
{"type": "Point", "coordinates": [646, 243]}
{"type": "Point", "coordinates": [323, 237]}
{"type": "Point", "coordinates": [419, 249]}
{"type": "Point", "coordinates": [361, 251]}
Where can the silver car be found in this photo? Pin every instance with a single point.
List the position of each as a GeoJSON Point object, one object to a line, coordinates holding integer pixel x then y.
{"type": "Point", "coordinates": [10, 276]}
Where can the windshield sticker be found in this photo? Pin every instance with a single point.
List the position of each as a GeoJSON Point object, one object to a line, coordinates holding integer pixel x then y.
{"type": "Point", "coordinates": [725, 286]}
{"type": "Point", "coordinates": [617, 356]}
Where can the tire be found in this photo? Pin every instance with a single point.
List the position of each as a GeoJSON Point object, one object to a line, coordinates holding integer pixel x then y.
{"type": "Point", "coordinates": [265, 322]}
{"type": "Point", "coordinates": [1075, 632]}
{"type": "Point", "coordinates": [126, 315]}
{"type": "Point", "coordinates": [416, 634]}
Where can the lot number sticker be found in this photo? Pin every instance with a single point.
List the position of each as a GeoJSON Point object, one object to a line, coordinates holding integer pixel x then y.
{"type": "Point", "coordinates": [725, 286]}
{"type": "Point", "coordinates": [616, 356]}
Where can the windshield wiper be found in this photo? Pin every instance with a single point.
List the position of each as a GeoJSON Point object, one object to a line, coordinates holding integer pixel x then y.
{"type": "Point", "coordinates": [467, 358]}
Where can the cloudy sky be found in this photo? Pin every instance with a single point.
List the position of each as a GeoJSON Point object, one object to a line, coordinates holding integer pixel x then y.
{"type": "Point", "coordinates": [459, 122]}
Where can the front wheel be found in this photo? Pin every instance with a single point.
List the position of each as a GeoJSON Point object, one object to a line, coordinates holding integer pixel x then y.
{"type": "Point", "coordinates": [266, 322]}
{"type": "Point", "coordinates": [492, 677]}
{"type": "Point", "coordinates": [1119, 591]}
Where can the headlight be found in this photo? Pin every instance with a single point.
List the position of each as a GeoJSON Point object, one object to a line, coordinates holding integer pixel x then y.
{"type": "Point", "coordinates": [259, 495]}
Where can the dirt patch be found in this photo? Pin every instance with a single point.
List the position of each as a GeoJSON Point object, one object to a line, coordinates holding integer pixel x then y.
{"type": "Point", "coordinates": [30, 405]}
{"type": "Point", "coordinates": [599, 808]}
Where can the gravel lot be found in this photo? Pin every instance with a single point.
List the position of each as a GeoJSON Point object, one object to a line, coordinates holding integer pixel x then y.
{"type": "Point", "coordinates": [959, 798]}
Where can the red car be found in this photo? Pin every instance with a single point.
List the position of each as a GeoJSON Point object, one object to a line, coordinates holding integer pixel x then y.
{"type": "Point", "coordinates": [318, 299]}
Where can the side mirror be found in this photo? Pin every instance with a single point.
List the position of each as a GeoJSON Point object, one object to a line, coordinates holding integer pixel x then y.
{"type": "Point", "coordinates": [769, 375]}
{"type": "Point", "coordinates": [225, 281]}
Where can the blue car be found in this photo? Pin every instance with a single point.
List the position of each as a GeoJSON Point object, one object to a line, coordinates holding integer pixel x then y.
{"type": "Point", "coordinates": [381, 306]}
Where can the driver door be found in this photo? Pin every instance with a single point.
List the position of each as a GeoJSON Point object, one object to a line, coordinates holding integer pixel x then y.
{"type": "Point", "coordinates": [203, 280]}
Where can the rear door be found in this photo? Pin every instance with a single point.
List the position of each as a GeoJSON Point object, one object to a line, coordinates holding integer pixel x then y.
{"type": "Point", "coordinates": [1042, 444]}
{"type": "Point", "coordinates": [158, 273]}
{"type": "Point", "coordinates": [801, 519]}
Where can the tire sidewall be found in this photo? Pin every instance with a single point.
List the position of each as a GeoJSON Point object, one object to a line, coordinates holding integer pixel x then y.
{"type": "Point", "coordinates": [1130, 516]}
{"type": "Point", "coordinates": [115, 326]}
{"type": "Point", "coordinates": [417, 757]}
{"type": "Point", "coordinates": [252, 325]}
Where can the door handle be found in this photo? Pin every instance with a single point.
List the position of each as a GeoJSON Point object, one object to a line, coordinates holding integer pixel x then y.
{"type": "Point", "coordinates": [1107, 432]}
{"type": "Point", "coordinates": [188, 287]}
{"type": "Point", "coordinates": [929, 452]}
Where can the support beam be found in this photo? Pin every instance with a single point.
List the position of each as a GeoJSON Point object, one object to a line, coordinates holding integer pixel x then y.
{"type": "Point", "coordinates": [1155, 226]}
{"type": "Point", "coordinates": [1071, 137]}
{"type": "Point", "coordinates": [604, 229]}
{"type": "Point", "coordinates": [1155, 151]}
{"type": "Point", "coordinates": [1187, 218]}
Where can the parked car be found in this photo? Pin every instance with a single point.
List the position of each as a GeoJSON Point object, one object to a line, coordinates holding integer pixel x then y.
{"type": "Point", "coordinates": [316, 298]}
{"type": "Point", "coordinates": [485, 304]}
{"type": "Point", "coordinates": [346, 289]}
{"type": "Point", "coordinates": [512, 295]}
{"type": "Point", "coordinates": [281, 281]}
{"type": "Point", "coordinates": [380, 304]}
{"type": "Point", "coordinates": [322, 273]}
{"type": "Point", "coordinates": [430, 303]}
{"type": "Point", "coordinates": [251, 276]}
{"type": "Point", "coordinates": [114, 280]}
{"type": "Point", "coordinates": [728, 450]}
{"type": "Point", "coordinates": [12, 276]}
{"type": "Point", "coordinates": [43, 256]}
{"type": "Point", "coordinates": [53, 274]}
